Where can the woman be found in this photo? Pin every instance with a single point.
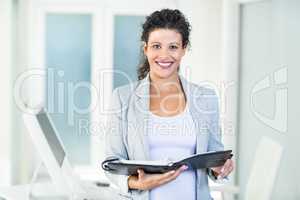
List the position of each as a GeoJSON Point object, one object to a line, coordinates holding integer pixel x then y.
{"type": "Point", "coordinates": [162, 116]}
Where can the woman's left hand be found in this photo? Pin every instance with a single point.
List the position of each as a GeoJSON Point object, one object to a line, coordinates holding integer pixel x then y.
{"type": "Point", "coordinates": [225, 170]}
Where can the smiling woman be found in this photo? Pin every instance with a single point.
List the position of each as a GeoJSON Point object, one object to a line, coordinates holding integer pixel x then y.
{"type": "Point", "coordinates": [163, 116]}
{"type": "Point", "coordinates": [175, 29]}
{"type": "Point", "coordinates": [164, 51]}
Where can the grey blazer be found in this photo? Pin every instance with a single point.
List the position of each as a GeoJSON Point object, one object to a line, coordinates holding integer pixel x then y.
{"type": "Point", "coordinates": [126, 134]}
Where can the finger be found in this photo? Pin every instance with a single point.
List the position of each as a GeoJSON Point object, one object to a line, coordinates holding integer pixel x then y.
{"type": "Point", "coordinates": [176, 173]}
{"type": "Point", "coordinates": [231, 168]}
{"type": "Point", "coordinates": [184, 167]}
{"type": "Point", "coordinates": [168, 174]}
{"type": "Point", "coordinates": [224, 171]}
{"type": "Point", "coordinates": [141, 173]}
{"type": "Point", "coordinates": [217, 169]}
{"type": "Point", "coordinates": [228, 167]}
{"type": "Point", "coordinates": [166, 177]}
{"type": "Point", "coordinates": [179, 170]}
{"type": "Point", "coordinates": [227, 163]}
{"type": "Point", "coordinates": [162, 178]}
{"type": "Point", "coordinates": [227, 172]}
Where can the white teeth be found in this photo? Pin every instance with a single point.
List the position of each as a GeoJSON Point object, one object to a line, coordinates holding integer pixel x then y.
{"type": "Point", "coordinates": [165, 64]}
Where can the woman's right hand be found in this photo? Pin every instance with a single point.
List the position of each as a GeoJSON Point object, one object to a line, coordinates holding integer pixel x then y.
{"type": "Point", "coordinates": [145, 181]}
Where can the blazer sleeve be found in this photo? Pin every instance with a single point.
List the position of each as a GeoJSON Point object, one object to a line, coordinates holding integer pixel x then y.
{"type": "Point", "coordinates": [114, 143]}
{"type": "Point", "coordinates": [214, 129]}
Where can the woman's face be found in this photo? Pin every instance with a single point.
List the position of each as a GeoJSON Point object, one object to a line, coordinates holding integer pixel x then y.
{"type": "Point", "coordinates": [164, 51]}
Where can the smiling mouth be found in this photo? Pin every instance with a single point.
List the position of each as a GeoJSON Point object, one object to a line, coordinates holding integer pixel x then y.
{"type": "Point", "coordinates": [164, 65]}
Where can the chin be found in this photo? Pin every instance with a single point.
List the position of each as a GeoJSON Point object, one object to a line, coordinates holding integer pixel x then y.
{"type": "Point", "coordinates": [164, 75]}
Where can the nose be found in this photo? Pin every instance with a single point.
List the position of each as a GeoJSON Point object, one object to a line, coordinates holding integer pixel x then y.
{"type": "Point", "coordinates": [164, 52]}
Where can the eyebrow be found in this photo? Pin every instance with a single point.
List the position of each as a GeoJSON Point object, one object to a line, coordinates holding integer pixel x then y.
{"type": "Point", "coordinates": [169, 43]}
{"type": "Point", "coordinates": [155, 43]}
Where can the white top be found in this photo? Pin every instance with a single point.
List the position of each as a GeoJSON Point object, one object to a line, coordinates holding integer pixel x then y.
{"type": "Point", "coordinates": [173, 138]}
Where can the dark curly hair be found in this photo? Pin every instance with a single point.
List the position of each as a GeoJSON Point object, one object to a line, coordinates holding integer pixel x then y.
{"type": "Point", "coordinates": [165, 19]}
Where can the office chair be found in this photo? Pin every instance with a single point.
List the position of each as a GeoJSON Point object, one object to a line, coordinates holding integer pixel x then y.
{"type": "Point", "coordinates": [263, 173]}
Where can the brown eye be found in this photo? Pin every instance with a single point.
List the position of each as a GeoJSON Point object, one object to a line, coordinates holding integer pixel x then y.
{"type": "Point", "coordinates": [173, 47]}
{"type": "Point", "coordinates": [156, 46]}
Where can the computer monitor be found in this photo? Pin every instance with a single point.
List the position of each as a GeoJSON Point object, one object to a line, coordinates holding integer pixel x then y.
{"type": "Point", "coordinates": [52, 152]}
{"type": "Point", "coordinates": [51, 137]}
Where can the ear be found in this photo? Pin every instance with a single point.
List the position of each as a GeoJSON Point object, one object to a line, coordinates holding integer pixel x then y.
{"type": "Point", "coordinates": [145, 48]}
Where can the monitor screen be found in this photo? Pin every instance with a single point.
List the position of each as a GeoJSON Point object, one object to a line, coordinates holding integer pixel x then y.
{"type": "Point", "coordinates": [51, 137]}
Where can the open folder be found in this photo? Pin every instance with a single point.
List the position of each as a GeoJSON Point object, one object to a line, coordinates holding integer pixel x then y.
{"type": "Point", "coordinates": [197, 161]}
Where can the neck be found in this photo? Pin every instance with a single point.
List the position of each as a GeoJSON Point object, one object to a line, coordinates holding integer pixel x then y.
{"type": "Point", "coordinates": [169, 84]}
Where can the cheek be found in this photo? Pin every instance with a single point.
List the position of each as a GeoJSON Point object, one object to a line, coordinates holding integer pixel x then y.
{"type": "Point", "coordinates": [150, 57]}
{"type": "Point", "coordinates": [178, 57]}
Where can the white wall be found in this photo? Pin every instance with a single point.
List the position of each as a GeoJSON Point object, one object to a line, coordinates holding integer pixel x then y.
{"type": "Point", "coordinates": [24, 154]}
{"type": "Point", "coordinates": [5, 88]}
{"type": "Point", "coordinates": [204, 57]}
{"type": "Point", "coordinates": [16, 151]}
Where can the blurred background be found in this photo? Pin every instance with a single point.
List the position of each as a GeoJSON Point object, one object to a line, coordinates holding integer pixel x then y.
{"type": "Point", "coordinates": [68, 55]}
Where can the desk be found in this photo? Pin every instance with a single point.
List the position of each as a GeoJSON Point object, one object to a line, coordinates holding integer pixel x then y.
{"type": "Point", "coordinates": [20, 192]}
{"type": "Point", "coordinates": [45, 191]}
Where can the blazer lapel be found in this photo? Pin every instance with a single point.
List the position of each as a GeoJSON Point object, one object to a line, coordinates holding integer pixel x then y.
{"type": "Point", "coordinates": [142, 102]}
{"type": "Point", "coordinates": [192, 94]}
